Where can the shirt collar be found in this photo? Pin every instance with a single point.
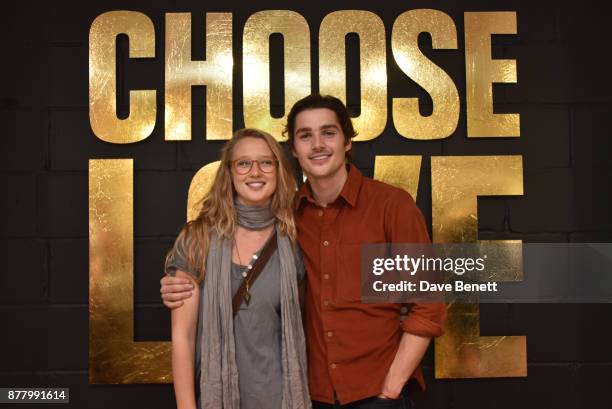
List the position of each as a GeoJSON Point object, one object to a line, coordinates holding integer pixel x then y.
{"type": "Point", "coordinates": [349, 191]}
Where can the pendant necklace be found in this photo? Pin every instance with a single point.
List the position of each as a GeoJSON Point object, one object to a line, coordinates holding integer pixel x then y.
{"type": "Point", "coordinates": [245, 273]}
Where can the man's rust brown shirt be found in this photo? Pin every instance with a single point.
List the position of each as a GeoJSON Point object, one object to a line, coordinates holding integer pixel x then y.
{"type": "Point", "coordinates": [351, 344]}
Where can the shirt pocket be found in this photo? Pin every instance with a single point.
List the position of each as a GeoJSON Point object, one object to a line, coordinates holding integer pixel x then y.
{"type": "Point", "coordinates": [348, 283]}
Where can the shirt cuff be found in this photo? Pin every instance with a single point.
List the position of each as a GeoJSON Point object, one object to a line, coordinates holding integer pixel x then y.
{"type": "Point", "coordinates": [425, 320]}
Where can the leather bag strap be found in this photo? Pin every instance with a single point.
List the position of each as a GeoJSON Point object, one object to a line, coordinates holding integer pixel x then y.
{"type": "Point", "coordinates": [252, 275]}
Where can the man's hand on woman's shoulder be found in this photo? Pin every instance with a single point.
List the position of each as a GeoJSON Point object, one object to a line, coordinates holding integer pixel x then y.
{"type": "Point", "coordinates": [174, 290]}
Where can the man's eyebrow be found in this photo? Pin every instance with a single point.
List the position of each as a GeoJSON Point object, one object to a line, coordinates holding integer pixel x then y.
{"type": "Point", "coordinates": [330, 126]}
{"type": "Point", "coordinates": [326, 126]}
{"type": "Point", "coordinates": [323, 127]}
{"type": "Point", "coordinates": [303, 129]}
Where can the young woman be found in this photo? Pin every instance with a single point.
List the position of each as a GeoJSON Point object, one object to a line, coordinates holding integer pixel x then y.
{"type": "Point", "coordinates": [257, 359]}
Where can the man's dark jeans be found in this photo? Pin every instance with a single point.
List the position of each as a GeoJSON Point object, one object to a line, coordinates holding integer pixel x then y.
{"type": "Point", "coordinates": [370, 403]}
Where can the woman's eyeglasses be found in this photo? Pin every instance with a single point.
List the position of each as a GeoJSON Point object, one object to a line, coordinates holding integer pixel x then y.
{"type": "Point", "coordinates": [243, 166]}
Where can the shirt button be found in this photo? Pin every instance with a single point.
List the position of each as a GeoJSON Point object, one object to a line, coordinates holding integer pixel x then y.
{"type": "Point", "coordinates": [333, 366]}
{"type": "Point", "coordinates": [326, 276]}
{"type": "Point", "coordinates": [320, 212]}
{"type": "Point", "coordinates": [326, 243]}
{"type": "Point", "coordinates": [330, 334]}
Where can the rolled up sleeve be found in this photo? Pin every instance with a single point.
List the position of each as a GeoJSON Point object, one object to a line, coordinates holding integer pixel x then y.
{"type": "Point", "coordinates": [425, 320]}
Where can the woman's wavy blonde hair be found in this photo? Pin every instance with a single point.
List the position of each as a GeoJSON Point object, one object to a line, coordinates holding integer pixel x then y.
{"type": "Point", "coordinates": [218, 213]}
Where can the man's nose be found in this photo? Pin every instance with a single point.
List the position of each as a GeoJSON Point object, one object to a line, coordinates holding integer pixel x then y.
{"type": "Point", "coordinates": [317, 141]}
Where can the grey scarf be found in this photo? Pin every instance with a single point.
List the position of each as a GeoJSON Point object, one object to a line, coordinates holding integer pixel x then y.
{"type": "Point", "coordinates": [219, 379]}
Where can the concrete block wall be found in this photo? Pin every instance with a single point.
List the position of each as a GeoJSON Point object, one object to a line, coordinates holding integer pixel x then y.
{"type": "Point", "coordinates": [564, 97]}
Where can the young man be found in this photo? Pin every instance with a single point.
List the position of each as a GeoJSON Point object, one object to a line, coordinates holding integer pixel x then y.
{"type": "Point", "coordinates": [358, 354]}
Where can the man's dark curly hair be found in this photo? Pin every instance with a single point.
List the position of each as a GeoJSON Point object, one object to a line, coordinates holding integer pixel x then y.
{"type": "Point", "coordinates": [314, 101]}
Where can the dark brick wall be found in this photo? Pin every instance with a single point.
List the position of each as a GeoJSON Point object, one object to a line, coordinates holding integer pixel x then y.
{"type": "Point", "coordinates": [564, 96]}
